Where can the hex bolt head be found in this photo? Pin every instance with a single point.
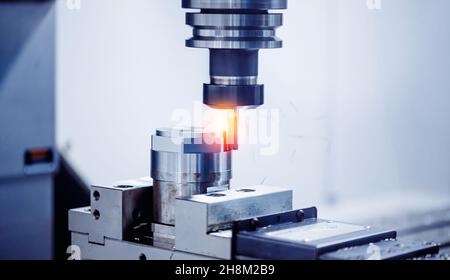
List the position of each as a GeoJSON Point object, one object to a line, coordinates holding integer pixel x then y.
{"type": "Point", "coordinates": [300, 216]}
{"type": "Point", "coordinates": [254, 223]}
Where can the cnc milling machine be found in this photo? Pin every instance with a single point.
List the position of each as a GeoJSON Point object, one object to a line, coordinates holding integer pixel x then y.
{"type": "Point", "coordinates": [188, 209]}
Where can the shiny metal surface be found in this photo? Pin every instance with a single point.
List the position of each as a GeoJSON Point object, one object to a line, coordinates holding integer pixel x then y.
{"type": "Point", "coordinates": [234, 20]}
{"type": "Point", "coordinates": [115, 210]}
{"type": "Point", "coordinates": [236, 33]}
{"type": "Point", "coordinates": [208, 234]}
{"type": "Point", "coordinates": [184, 141]}
{"type": "Point", "coordinates": [163, 236]}
{"type": "Point", "coordinates": [116, 249]}
{"type": "Point", "coordinates": [243, 80]}
{"type": "Point", "coordinates": [234, 44]}
{"type": "Point", "coordinates": [165, 194]}
{"type": "Point", "coordinates": [184, 164]}
{"type": "Point", "coordinates": [191, 168]}
{"type": "Point", "coordinates": [185, 132]}
{"type": "Point", "coordinates": [232, 30]}
{"type": "Point", "coordinates": [235, 4]}
{"type": "Point", "coordinates": [239, 204]}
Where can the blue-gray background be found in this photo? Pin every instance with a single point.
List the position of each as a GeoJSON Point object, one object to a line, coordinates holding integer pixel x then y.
{"type": "Point", "coordinates": [364, 96]}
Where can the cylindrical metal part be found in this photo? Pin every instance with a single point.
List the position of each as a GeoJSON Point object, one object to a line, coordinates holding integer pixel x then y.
{"type": "Point", "coordinates": [235, 4]}
{"type": "Point", "coordinates": [185, 162]}
{"type": "Point", "coordinates": [233, 63]}
{"type": "Point", "coordinates": [234, 80]}
{"type": "Point", "coordinates": [234, 31]}
{"type": "Point", "coordinates": [232, 96]}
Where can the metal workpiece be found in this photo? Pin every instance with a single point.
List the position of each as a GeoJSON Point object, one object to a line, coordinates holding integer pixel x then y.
{"type": "Point", "coordinates": [187, 141]}
{"type": "Point", "coordinates": [163, 236]}
{"type": "Point", "coordinates": [191, 168]}
{"type": "Point", "coordinates": [204, 221]}
{"type": "Point", "coordinates": [165, 194]}
{"type": "Point", "coordinates": [185, 162]}
{"type": "Point", "coordinates": [234, 31]}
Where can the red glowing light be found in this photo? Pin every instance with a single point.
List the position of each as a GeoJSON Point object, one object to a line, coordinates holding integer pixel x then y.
{"type": "Point", "coordinates": [224, 123]}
